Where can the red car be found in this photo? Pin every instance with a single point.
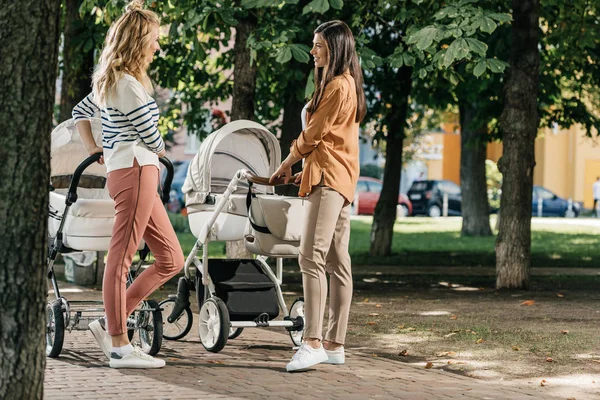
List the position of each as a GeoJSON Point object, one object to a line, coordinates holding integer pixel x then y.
{"type": "Point", "coordinates": [368, 190]}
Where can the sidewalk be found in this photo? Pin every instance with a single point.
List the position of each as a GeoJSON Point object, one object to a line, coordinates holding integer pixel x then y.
{"type": "Point", "coordinates": [252, 367]}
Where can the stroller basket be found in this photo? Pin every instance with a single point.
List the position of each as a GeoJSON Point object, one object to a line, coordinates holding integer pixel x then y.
{"type": "Point", "coordinates": [246, 290]}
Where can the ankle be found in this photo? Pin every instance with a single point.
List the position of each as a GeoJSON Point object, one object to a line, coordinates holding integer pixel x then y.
{"type": "Point", "coordinates": [314, 343]}
{"type": "Point", "coordinates": [120, 340]}
{"type": "Point", "coordinates": [331, 346]}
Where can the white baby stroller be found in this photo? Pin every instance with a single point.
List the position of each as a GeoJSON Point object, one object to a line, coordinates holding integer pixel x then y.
{"type": "Point", "coordinates": [229, 198]}
{"type": "Point", "coordinates": [81, 217]}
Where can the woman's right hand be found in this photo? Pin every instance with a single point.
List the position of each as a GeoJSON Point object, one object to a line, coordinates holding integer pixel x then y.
{"type": "Point", "coordinates": [96, 150]}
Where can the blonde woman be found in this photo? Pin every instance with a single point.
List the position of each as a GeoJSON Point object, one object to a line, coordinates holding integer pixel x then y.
{"type": "Point", "coordinates": [131, 146]}
{"type": "Point", "coordinates": [329, 146]}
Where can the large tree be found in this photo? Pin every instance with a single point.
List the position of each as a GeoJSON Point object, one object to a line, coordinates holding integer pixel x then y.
{"type": "Point", "coordinates": [28, 50]}
{"type": "Point", "coordinates": [519, 123]}
{"type": "Point", "coordinates": [81, 36]}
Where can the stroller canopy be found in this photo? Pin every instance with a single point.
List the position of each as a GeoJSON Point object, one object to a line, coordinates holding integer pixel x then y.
{"type": "Point", "coordinates": [67, 150]}
{"type": "Point", "coordinates": [238, 145]}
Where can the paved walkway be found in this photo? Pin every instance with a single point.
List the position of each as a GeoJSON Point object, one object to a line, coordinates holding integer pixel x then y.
{"type": "Point", "coordinates": [252, 367]}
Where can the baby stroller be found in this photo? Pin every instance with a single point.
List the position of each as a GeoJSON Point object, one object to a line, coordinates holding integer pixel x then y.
{"type": "Point", "coordinates": [228, 198]}
{"type": "Point", "coordinates": [80, 218]}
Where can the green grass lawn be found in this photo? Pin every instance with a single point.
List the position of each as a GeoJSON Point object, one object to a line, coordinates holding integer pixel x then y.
{"type": "Point", "coordinates": [437, 242]}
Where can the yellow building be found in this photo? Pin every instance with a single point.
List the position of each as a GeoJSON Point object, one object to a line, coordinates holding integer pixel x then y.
{"type": "Point", "coordinates": [567, 161]}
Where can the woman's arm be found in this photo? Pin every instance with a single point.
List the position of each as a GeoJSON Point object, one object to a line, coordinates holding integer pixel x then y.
{"type": "Point", "coordinates": [84, 127]}
{"type": "Point", "coordinates": [84, 110]}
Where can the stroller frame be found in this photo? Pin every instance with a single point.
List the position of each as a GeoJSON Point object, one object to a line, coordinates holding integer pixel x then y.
{"type": "Point", "coordinates": [62, 314]}
{"type": "Point", "coordinates": [213, 311]}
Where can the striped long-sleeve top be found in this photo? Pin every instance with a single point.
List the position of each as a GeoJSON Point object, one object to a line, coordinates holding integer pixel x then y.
{"type": "Point", "coordinates": [129, 124]}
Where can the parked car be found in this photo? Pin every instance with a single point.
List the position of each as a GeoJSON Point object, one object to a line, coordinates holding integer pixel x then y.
{"type": "Point", "coordinates": [176, 199]}
{"type": "Point", "coordinates": [427, 197]}
{"type": "Point", "coordinates": [552, 205]}
{"type": "Point", "coordinates": [368, 191]}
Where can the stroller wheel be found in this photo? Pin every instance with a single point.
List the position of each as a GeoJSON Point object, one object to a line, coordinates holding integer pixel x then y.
{"type": "Point", "coordinates": [55, 328]}
{"type": "Point", "coordinates": [297, 311]}
{"type": "Point", "coordinates": [150, 326]}
{"type": "Point", "coordinates": [182, 324]}
{"type": "Point", "coordinates": [235, 332]}
{"type": "Point", "coordinates": [213, 327]}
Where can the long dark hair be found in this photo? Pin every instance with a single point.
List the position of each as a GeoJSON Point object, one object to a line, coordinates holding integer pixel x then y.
{"type": "Point", "coordinates": [342, 56]}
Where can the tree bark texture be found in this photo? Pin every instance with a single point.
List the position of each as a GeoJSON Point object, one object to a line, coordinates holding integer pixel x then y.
{"type": "Point", "coordinates": [519, 123]}
{"type": "Point", "coordinates": [382, 230]}
{"type": "Point", "coordinates": [475, 207]}
{"type": "Point", "coordinates": [242, 103]}
{"type": "Point", "coordinates": [292, 121]}
{"type": "Point", "coordinates": [28, 64]}
{"type": "Point", "coordinates": [77, 64]}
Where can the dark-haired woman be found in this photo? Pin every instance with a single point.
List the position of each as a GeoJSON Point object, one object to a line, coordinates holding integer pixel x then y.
{"type": "Point", "coordinates": [329, 146]}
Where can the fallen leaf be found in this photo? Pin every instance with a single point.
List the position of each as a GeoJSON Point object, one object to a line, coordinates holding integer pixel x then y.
{"type": "Point", "coordinates": [528, 303]}
{"type": "Point", "coordinates": [564, 332]}
{"type": "Point", "coordinates": [374, 314]}
{"type": "Point", "coordinates": [428, 365]}
{"type": "Point", "coordinates": [375, 355]}
{"type": "Point", "coordinates": [445, 353]}
{"type": "Point", "coordinates": [403, 353]}
{"type": "Point", "coordinates": [378, 305]}
{"type": "Point", "coordinates": [479, 341]}
{"type": "Point", "coordinates": [549, 359]}
{"type": "Point", "coordinates": [365, 300]}
{"type": "Point", "coordinates": [560, 295]}
{"type": "Point", "coordinates": [516, 348]}
{"type": "Point", "coordinates": [401, 326]}
{"type": "Point", "coordinates": [543, 382]}
{"type": "Point", "coordinates": [371, 323]}
{"type": "Point", "coordinates": [453, 317]}
{"type": "Point", "coordinates": [450, 335]}
{"type": "Point", "coordinates": [411, 329]}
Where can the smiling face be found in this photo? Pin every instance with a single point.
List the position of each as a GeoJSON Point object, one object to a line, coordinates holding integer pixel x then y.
{"type": "Point", "coordinates": [319, 51]}
{"type": "Point", "coordinates": [152, 46]}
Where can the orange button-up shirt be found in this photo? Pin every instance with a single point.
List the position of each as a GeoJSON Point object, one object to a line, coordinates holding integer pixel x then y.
{"type": "Point", "coordinates": [330, 141]}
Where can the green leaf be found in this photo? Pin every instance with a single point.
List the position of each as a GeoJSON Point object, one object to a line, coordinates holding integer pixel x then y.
{"type": "Point", "coordinates": [316, 6]}
{"type": "Point", "coordinates": [284, 55]}
{"type": "Point", "coordinates": [488, 25]}
{"type": "Point", "coordinates": [423, 38]}
{"type": "Point", "coordinates": [500, 17]}
{"type": "Point", "coordinates": [299, 53]}
{"type": "Point", "coordinates": [409, 60]}
{"type": "Point", "coordinates": [496, 65]}
{"type": "Point", "coordinates": [310, 85]}
{"type": "Point", "coordinates": [477, 46]}
{"type": "Point", "coordinates": [337, 4]}
{"type": "Point", "coordinates": [422, 73]}
{"type": "Point", "coordinates": [479, 68]}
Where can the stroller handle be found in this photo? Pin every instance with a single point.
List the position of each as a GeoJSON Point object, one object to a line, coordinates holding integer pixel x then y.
{"type": "Point", "coordinates": [261, 180]}
{"type": "Point", "coordinates": [72, 194]}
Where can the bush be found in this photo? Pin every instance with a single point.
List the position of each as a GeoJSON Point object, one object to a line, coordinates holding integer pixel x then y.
{"type": "Point", "coordinates": [371, 170]}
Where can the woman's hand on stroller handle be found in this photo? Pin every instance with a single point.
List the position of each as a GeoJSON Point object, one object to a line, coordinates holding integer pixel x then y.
{"type": "Point", "coordinates": [96, 150]}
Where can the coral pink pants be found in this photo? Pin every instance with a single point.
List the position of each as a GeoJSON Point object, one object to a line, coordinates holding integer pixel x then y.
{"type": "Point", "coordinates": [139, 213]}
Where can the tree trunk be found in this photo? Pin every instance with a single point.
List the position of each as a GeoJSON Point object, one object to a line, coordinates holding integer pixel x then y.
{"type": "Point", "coordinates": [77, 64]}
{"type": "Point", "coordinates": [242, 104]}
{"type": "Point", "coordinates": [519, 123]}
{"type": "Point", "coordinates": [384, 217]}
{"type": "Point", "coordinates": [475, 207]}
{"type": "Point", "coordinates": [292, 121]}
{"type": "Point", "coordinates": [28, 57]}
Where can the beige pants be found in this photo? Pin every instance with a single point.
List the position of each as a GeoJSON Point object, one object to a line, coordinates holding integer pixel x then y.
{"type": "Point", "coordinates": [324, 247]}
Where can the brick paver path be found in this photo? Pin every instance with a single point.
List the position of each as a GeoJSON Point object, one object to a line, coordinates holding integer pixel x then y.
{"type": "Point", "coordinates": [253, 367]}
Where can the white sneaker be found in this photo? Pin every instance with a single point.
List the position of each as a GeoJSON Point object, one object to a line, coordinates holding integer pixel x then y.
{"type": "Point", "coordinates": [98, 328]}
{"type": "Point", "coordinates": [136, 359]}
{"type": "Point", "coordinates": [336, 356]}
{"type": "Point", "coordinates": [306, 357]}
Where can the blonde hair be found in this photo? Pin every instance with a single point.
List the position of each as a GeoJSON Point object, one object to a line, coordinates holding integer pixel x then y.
{"type": "Point", "coordinates": [123, 50]}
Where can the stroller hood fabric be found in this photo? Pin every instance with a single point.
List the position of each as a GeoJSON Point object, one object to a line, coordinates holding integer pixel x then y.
{"type": "Point", "coordinates": [68, 151]}
{"type": "Point", "coordinates": [237, 145]}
